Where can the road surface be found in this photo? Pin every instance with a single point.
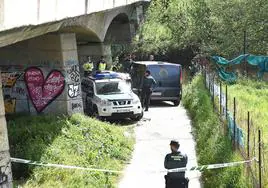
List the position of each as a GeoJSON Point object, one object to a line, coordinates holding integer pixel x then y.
{"type": "Point", "coordinates": [162, 123]}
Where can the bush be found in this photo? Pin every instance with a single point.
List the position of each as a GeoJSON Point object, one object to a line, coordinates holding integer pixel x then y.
{"type": "Point", "coordinates": [212, 145]}
{"type": "Point", "coordinates": [77, 140]}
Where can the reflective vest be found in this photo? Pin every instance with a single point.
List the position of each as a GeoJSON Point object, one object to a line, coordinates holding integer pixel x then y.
{"type": "Point", "coordinates": [102, 66]}
{"type": "Point", "coordinates": [88, 66]}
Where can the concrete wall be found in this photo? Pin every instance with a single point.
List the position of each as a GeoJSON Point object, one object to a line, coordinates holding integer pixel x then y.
{"type": "Point", "coordinates": [54, 56]}
{"type": "Point", "coordinates": [5, 166]}
{"type": "Point", "coordinates": [16, 13]}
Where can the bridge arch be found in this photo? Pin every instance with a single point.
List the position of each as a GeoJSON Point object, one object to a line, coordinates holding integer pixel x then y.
{"type": "Point", "coordinates": [118, 30]}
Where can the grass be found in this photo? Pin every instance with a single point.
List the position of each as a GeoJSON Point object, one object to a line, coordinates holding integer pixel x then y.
{"type": "Point", "coordinates": [252, 96]}
{"type": "Point", "coordinates": [213, 146]}
{"type": "Point", "coordinates": [77, 140]}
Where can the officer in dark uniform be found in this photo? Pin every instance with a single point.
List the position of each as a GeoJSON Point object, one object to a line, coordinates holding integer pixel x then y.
{"type": "Point", "coordinates": [175, 159]}
{"type": "Point", "coordinates": [146, 89]}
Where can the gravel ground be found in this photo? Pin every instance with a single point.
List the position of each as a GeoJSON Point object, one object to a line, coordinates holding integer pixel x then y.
{"type": "Point", "coordinates": [162, 123]}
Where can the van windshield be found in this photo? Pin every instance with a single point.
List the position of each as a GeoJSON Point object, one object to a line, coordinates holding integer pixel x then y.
{"type": "Point", "coordinates": [166, 75]}
{"type": "Point", "coordinates": [112, 87]}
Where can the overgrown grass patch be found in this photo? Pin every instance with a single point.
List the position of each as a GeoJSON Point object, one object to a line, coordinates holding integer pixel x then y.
{"type": "Point", "coordinates": [252, 96]}
{"type": "Point", "coordinates": [212, 145]}
{"type": "Point", "coordinates": [77, 140]}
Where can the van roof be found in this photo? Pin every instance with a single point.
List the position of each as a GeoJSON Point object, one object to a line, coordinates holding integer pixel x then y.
{"type": "Point", "coordinates": [155, 63]}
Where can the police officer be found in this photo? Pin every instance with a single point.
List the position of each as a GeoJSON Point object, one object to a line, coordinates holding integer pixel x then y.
{"type": "Point", "coordinates": [88, 67]}
{"type": "Point", "coordinates": [116, 66]}
{"type": "Point", "coordinates": [146, 89]}
{"type": "Point", "coordinates": [101, 64]}
{"type": "Point", "coordinates": [175, 159]}
{"type": "Point", "coordinates": [128, 63]}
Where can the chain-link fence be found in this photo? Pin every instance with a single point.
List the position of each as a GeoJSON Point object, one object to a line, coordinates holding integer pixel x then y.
{"type": "Point", "coordinates": [238, 125]}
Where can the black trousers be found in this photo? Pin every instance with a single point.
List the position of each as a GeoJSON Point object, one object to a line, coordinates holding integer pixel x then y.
{"type": "Point", "coordinates": [176, 182]}
{"type": "Point", "coordinates": [146, 97]}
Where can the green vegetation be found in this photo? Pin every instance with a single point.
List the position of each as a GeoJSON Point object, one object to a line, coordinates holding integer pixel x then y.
{"type": "Point", "coordinates": [77, 140]}
{"type": "Point", "coordinates": [212, 145]}
{"type": "Point", "coordinates": [206, 26]}
{"type": "Point", "coordinates": [252, 96]}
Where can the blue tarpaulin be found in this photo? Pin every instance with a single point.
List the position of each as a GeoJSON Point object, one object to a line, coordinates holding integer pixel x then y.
{"type": "Point", "coordinates": [260, 61]}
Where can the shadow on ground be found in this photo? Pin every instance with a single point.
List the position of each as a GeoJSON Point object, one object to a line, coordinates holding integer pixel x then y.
{"type": "Point", "coordinates": [162, 104]}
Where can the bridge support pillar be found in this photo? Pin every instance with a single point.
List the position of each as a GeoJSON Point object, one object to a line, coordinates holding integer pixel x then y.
{"type": "Point", "coordinates": [5, 165]}
{"type": "Point", "coordinates": [45, 75]}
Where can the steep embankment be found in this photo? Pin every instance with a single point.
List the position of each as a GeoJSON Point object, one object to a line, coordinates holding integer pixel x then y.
{"type": "Point", "coordinates": [76, 140]}
{"type": "Point", "coordinates": [212, 145]}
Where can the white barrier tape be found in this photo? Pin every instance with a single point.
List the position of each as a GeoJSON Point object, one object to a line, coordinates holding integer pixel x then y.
{"type": "Point", "coordinates": [211, 166]}
{"type": "Point", "coordinates": [195, 168]}
{"type": "Point", "coordinates": [23, 161]}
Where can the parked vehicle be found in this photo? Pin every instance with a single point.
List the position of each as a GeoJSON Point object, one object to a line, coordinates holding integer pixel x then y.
{"type": "Point", "coordinates": [108, 95]}
{"type": "Point", "coordinates": [167, 75]}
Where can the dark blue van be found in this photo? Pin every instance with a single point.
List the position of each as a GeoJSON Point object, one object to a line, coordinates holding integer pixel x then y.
{"type": "Point", "coordinates": [167, 75]}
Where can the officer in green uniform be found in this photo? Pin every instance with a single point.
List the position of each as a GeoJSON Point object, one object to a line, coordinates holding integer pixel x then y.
{"type": "Point", "coordinates": [175, 159]}
{"type": "Point", "coordinates": [148, 84]}
{"type": "Point", "coordinates": [88, 67]}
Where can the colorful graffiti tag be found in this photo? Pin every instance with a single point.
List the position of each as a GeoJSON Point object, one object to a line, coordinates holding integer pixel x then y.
{"type": "Point", "coordinates": [9, 80]}
{"type": "Point", "coordinates": [42, 91]}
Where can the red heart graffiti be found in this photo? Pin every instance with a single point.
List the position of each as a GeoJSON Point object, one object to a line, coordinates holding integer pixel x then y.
{"type": "Point", "coordinates": [43, 91]}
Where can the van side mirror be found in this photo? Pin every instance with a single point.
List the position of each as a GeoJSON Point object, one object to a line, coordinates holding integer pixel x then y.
{"type": "Point", "coordinates": [160, 83]}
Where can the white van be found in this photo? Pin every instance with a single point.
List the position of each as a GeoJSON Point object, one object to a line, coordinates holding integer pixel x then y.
{"type": "Point", "coordinates": [107, 95]}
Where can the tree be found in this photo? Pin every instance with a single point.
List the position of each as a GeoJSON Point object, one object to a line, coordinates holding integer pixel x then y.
{"type": "Point", "coordinates": [210, 26]}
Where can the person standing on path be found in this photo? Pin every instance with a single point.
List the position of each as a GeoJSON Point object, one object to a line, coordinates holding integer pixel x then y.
{"type": "Point", "coordinates": [148, 84]}
{"type": "Point", "coordinates": [175, 159]}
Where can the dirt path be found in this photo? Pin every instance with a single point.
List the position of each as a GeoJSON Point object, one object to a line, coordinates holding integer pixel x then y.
{"type": "Point", "coordinates": [161, 124]}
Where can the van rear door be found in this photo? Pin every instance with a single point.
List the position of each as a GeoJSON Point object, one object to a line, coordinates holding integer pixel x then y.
{"type": "Point", "coordinates": [168, 78]}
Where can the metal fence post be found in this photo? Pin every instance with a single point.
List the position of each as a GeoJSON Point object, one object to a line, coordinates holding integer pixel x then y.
{"type": "Point", "coordinates": [248, 135]}
{"type": "Point", "coordinates": [260, 161]}
{"type": "Point", "coordinates": [209, 83]}
{"type": "Point", "coordinates": [220, 100]}
{"type": "Point", "coordinates": [226, 101]}
{"type": "Point", "coordinates": [234, 136]}
{"type": "Point", "coordinates": [205, 74]}
{"type": "Point", "coordinates": [213, 95]}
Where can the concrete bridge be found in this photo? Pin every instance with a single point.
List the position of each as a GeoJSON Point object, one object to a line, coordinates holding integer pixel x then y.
{"type": "Point", "coordinates": [74, 31]}
{"type": "Point", "coordinates": [43, 44]}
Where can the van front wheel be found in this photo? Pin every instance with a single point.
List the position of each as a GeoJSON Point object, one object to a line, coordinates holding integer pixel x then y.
{"type": "Point", "coordinates": [177, 102]}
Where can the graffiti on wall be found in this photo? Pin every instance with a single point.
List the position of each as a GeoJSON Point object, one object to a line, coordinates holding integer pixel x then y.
{"type": "Point", "coordinates": [5, 173]}
{"type": "Point", "coordinates": [77, 106]}
{"type": "Point", "coordinates": [42, 91]}
{"type": "Point", "coordinates": [11, 90]}
{"type": "Point", "coordinates": [74, 73]}
{"type": "Point", "coordinates": [74, 77]}
{"type": "Point", "coordinates": [73, 90]}
{"type": "Point", "coordinates": [9, 78]}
